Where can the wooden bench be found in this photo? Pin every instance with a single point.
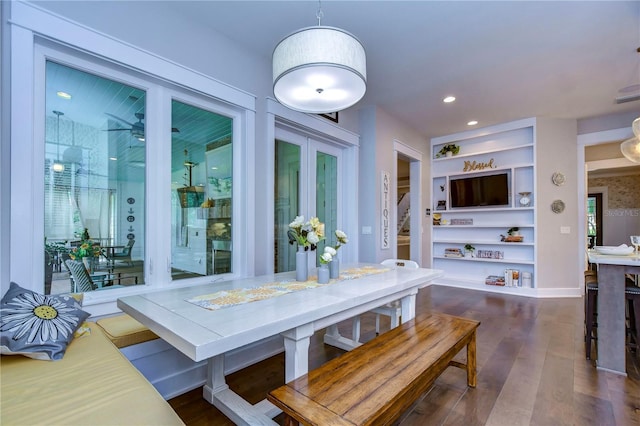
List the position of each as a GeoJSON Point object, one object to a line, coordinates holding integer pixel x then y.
{"type": "Point", "coordinates": [377, 382]}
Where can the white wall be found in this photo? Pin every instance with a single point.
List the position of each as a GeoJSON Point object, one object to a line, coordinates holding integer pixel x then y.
{"type": "Point", "coordinates": [378, 131]}
{"type": "Point", "coordinates": [369, 206]}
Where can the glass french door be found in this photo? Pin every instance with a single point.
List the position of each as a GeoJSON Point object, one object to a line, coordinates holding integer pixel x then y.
{"type": "Point", "coordinates": [306, 183]}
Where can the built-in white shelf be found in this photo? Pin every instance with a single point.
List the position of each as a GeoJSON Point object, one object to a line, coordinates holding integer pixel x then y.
{"type": "Point", "coordinates": [509, 149]}
{"type": "Point", "coordinates": [463, 282]}
{"type": "Point", "coordinates": [480, 242]}
{"type": "Point", "coordinates": [477, 259]}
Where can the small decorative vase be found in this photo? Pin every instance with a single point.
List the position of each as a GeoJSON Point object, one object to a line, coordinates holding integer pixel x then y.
{"type": "Point", "coordinates": [323, 274]}
{"type": "Point", "coordinates": [302, 271]}
{"type": "Point", "coordinates": [449, 154]}
{"type": "Point", "coordinates": [525, 200]}
{"type": "Point", "coordinates": [334, 268]}
{"type": "Point", "coordinates": [87, 264]}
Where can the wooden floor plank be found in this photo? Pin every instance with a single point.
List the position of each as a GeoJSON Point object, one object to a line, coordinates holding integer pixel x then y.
{"type": "Point", "coordinates": [531, 369]}
{"type": "Point", "coordinates": [554, 402]}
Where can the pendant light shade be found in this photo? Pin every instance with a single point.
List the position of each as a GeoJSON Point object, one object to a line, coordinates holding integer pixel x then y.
{"type": "Point", "coordinates": [631, 147]}
{"type": "Point", "coordinates": [319, 70]}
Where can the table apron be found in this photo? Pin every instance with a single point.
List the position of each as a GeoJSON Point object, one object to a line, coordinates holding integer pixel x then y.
{"type": "Point", "coordinates": [360, 309]}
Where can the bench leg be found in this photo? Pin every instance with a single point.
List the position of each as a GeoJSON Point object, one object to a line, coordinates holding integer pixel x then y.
{"type": "Point", "coordinates": [471, 361]}
{"type": "Point", "coordinates": [290, 421]}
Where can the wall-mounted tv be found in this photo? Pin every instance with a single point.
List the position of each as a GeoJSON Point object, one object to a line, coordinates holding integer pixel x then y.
{"type": "Point", "coordinates": [480, 191]}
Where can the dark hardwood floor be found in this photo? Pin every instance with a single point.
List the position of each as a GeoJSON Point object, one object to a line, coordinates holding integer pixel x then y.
{"type": "Point", "coordinates": [532, 369]}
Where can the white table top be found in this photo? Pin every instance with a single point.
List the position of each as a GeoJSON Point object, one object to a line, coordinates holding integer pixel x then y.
{"type": "Point", "coordinates": [201, 333]}
{"type": "Point", "coordinates": [625, 260]}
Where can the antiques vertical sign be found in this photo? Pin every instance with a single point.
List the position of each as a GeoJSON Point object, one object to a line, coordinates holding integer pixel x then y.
{"type": "Point", "coordinates": [385, 209]}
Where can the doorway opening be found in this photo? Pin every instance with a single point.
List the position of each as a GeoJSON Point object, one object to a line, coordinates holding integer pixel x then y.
{"type": "Point", "coordinates": [404, 209]}
{"type": "Point", "coordinates": [594, 220]}
{"type": "Point", "coordinates": [409, 202]}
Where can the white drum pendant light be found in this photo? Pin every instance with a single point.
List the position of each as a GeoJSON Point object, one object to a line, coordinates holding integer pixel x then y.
{"type": "Point", "coordinates": [319, 70]}
{"type": "Point", "coordinates": [631, 147]}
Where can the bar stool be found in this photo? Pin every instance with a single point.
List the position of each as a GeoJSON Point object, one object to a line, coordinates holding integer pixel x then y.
{"type": "Point", "coordinates": [632, 293]}
{"type": "Point", "coordinates": [591, 287]}
{"type": "Point", "coordinates": [632, 296]}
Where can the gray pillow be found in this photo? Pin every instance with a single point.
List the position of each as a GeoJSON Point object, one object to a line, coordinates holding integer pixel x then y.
{"type": "Point", "coordinates": [38, 326]}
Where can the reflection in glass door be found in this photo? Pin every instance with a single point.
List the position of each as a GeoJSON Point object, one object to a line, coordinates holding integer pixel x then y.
{"type": "Point", "coordinates": [287, 204]}
{"type": "Point", "coordinates": [94, 179]}
{"type": "Point", "coordinates": [201, 192]}
{"type": "Point", "coordinates": [317, 195]}
{"type": "Point", "coordinates": [327, 198]}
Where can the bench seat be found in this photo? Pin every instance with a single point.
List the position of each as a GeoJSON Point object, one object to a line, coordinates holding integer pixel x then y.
{"type": "Point", "coordinates": [94, 384]}
{"type": "Point", "coordinates": [377, 382]}
{"type": "Point", "coordinates": [123, 330]}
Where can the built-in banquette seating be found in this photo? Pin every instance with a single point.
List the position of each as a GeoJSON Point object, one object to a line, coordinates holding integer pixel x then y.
{"type": "Point", "coordinates": [93, 384]}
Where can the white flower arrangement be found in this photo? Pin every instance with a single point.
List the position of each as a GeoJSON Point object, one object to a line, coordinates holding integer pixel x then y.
{"type": "Point", "coordinates": [326, 257]}
{"type": "Point", "coordinates": [342, 239]}
{"type": "Point", "coordinates": [306, 234]}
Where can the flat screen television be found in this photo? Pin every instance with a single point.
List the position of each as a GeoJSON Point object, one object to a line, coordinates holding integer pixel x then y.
{"type": "Point", "coordinates": [480, 191]}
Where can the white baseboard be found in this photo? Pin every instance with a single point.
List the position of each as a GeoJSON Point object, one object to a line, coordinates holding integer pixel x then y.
{"type": "Point", "coordinates": [517, 291]}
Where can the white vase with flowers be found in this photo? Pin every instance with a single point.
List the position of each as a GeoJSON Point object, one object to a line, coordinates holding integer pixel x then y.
{"type": "Point", "coordinates": [306, 235]}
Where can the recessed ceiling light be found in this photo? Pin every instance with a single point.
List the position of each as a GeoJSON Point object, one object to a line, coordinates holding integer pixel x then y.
{"type": "Point", "coordinates": [113, 159]}
{"type": "Point", "coordinates": [64, 95]}
{"type": "Point", "coordinates": [472, 123]}
{"type": "Point", "coordinates": [214, 168]}
{"type": "Point", "coordinates": [449, 99]}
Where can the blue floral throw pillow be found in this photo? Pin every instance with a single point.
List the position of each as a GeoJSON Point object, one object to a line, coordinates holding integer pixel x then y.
{"type": "Point", "coordinates": [38, 326]}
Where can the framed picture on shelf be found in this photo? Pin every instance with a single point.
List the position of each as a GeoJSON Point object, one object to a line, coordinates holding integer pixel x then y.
{"type": "Point", "coordinates": [333, 116]}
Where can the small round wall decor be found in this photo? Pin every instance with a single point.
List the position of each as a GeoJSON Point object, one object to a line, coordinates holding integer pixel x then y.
{"type": "Point", "coordinates": [558, 179]}
{"type": "Point", "coordinates": [131, 200]}
{"type": "Point", "coordinates": [131, 218]}
{"type": "Point", "coordinates": [557, 206]}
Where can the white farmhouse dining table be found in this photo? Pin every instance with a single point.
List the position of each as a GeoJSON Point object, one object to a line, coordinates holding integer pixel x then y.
{"type": "Point", "coordinates": [611, 308]}
{"type": "Point", "coordinates": [204, 334]}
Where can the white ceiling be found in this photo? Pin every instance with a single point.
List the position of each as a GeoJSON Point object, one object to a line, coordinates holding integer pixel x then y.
{"type": "Point", "coordinates": [502, 60]}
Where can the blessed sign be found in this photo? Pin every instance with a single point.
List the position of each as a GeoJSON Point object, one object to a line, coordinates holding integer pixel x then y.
{"type": "Point", "coordinates": [470, 166]}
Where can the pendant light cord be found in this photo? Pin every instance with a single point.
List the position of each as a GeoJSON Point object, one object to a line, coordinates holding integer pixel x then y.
{"type": "Point", "coordinates": [319, 13]}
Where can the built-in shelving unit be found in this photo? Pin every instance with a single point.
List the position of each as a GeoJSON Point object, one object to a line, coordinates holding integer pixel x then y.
{"type": "Point", "coordinates": [507, 149]}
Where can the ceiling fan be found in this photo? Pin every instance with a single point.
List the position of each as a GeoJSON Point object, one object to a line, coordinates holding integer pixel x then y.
{"type": "Point", "coordinates": [137, 128]}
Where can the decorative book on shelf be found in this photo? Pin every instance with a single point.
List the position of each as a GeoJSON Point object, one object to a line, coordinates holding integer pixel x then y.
{"type": "Point", "coordinates": [494, 280]}
{"type": "Point", "coordinates": [453, 252]}
{"type": "Point", "coordinates": [462, 221]}
{"type": "Point", "coordinates": [490, 254]}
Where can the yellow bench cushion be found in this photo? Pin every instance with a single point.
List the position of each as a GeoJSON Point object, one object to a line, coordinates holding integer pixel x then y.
{"type": "Point", "coordinates": [94, 384]}
{"type": "Point", "coordinates": [124, 331]}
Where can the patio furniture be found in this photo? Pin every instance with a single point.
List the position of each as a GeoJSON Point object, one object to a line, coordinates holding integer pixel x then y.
{"type": "Point", "coordinates": [81, 280]}
{"type": "Point", "coordinates": [124, 255]}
